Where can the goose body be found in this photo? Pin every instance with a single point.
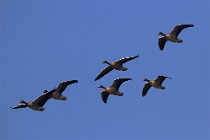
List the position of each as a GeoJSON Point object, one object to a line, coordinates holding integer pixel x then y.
{"type": "Point", "coordinates": [172, 36]}
{"type": "Point", "coordinates": [113, 89]}
{"type": "Point", "coordinates": [57, 92]}
{"type": "Point", "coordinates": [118, 65]}
{"type": "Point", "coordinates": [37, 104]}
{"type": "Point", "coordinates": [157, 83]}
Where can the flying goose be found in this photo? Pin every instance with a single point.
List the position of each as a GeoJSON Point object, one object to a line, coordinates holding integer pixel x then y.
{"type": "Point", "coordinates": [157, 83]}
{"type": "Point", "coordinates": [36, 104]}
{"type": "Point", "coordinates": [172, 36]}
{"type": "Point", "coordinates": [118, 65]}
{"type": "Point", "coordinates": [57, 92]}
{"type": "Point", "coordinates": [113, 89]}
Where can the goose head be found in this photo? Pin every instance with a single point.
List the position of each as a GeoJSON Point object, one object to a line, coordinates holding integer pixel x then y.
{"type": "Point", "coordinates": [106, 62]}
{"type": "Point", "coordinates": [22, 102]}
{"type": "Point", "coordinates": [161, 33]}
{"type": "Point", "coordinates": [145, 79]}
{"type": "Point", "coordinates": [101, 87]}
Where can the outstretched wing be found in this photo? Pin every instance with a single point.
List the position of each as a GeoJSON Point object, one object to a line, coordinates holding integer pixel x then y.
{"type": "Point", "coordinates": [19, 106]}
{"type": "Point", "coordinates": [104, 96]}
{"type": "Point", "coordinates": [117, 82]}
{"type": "Point", "coordinates": [62, 86]}
{"type": "Point", "coordinates": [42, 99]}
{"type": "Point", "coordinates": [178, 28]}
{"type": "Point", "coordinates": [104, 72]}
{"type": "Point", "coordinates": [160, 79]}
{"type": "Point", "coordinates": [145, 89]}
{"type": "Point", "coordinates": [126, 59]}
{"type": "Point", "coordinates": [161, 42]}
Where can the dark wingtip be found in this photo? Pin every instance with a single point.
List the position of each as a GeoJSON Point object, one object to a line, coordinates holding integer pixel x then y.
{"type": "Point", "coordinates": [191, 25]}
{"type": "Point", "coordinates": [96, 78]}
{"type": "Point", "coordinates": [136, 56]}
{"type": "Point", "coordinates": [144, 94]}
{"type": "Point", "coordinates": [161, 48]}
{"type": "Point", "coordinates": [12, 107]}
{"type": "Point", "coordinates": [73, 81]}
{"type": "Point", "coordinates": [76, 81]}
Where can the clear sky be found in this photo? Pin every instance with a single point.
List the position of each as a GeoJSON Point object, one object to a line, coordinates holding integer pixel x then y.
{"type": "Point", "coordinates": [46, 42]}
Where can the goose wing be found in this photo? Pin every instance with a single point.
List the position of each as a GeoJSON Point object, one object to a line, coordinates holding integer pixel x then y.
{"type": "Point", "coordinates": [104, 96]}
{"type": "Point", "coordinates": [145, 89]}
{"type": "Point", "coordinates": [42, 99]}
{"type": "Point", "coordinates": [62, 86]}
{"type": "Point", "coordinates": [160, 79]}
{"type": "Point", "coordinates": [161, 42]}
{"type": "Point", "coordinates": [19, 106]}
{"type": "Point", "coordinates": [117, 82]}
{"type": "Point", "coordinates": [178, 28]}
{"type": "Point", "coordinates": [126, 59]}
{"type": "Point", "coordinates": [104, 72]}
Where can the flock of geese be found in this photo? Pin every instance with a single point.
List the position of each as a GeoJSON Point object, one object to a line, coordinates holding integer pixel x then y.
{"type": "Point", "coordinates": [56, 93]}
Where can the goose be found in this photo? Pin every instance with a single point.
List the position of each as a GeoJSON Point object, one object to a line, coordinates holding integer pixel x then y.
{"type": "Point", "coordinates": [37, 104]}
{"type": "Point", "coordinates": [118, 65]}
{"type": "Point", "coordinates": [157, 83]}
{"type": "Point", "coordinates": [113, 89]}
{"type": "Point", "coordinates": [57, 92]}
{"type": "Point", "coordinates": [172, 36]}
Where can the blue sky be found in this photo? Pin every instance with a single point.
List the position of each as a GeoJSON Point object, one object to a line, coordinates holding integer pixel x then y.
{"type": "Point", "coordinates": [46, 42]}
